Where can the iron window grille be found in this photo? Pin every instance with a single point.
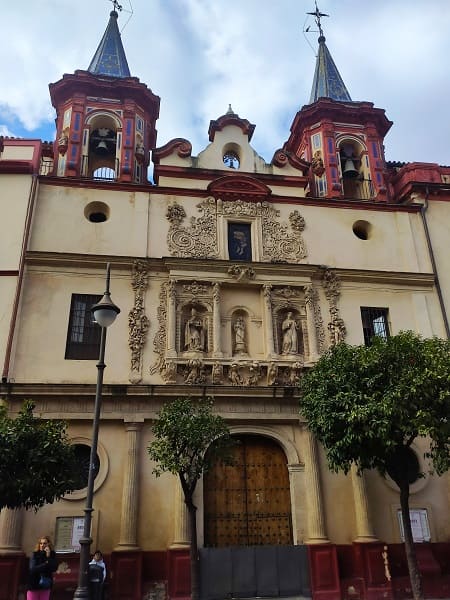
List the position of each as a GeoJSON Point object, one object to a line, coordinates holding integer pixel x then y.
{"type": "Point", "coordinates": [374, 323]}
{"type": "Point", "coordinates": [83, 335]}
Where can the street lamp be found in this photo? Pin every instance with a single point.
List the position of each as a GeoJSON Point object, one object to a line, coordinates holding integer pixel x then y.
{"type": "Point", "coordinates": [105, 313]}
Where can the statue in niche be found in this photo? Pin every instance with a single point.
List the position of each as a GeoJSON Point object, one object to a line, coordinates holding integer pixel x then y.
{"type": "Point", "coordinates": [195, 332]}
{"type": "Point", "coordinates": [289, 330]}
{"type": "Point", "coordinates": [272, 374]}
{"type": "Point", "coordinates": [239, 336]}
{"type": "Point", "coordinates": [234, 375]}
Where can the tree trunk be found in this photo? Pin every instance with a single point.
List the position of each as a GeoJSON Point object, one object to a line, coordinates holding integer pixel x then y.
{"type": "Point", "coordinates": [413, 568]}
{"type": "Point", "coordinates": [195, 567]}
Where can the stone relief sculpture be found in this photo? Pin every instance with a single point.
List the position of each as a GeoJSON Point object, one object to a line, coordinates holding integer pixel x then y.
{"type": "Point", "coordinates": [217, 373]}
{"type": "Point", "coordinates": [195, 372]}
{"type": "Point", "coordinates": [169, 372]}
{"type": "Point", "coordinates": [159, 342]}
{"type": "Point", "coordinates": [312, 299]}
{"type": "Point", "coordinates": [234, 375]}
{"type": "Point", "coordinates": [336, 326]}
{"type": "Point", "coordinates": [200, 239]}
{"type": "Point", "coordinates": [293, 373]}
{"type": "Point", "coordinates": [240, 346]}
{"type": "Point", "coordinates": [195, 332]}
{"type": "Point", "coordinates": [289, 329]}
{"type": "Point", "coordinates": [138, 323]}
{"type": "Point", "coordinates": [272, 374]}
{"type": "Point", "coordinates": [239, 272]}
{"type": "Point", "coordinates": [281, 242]}
{"type": "Point", "coordinates": [254, 373]}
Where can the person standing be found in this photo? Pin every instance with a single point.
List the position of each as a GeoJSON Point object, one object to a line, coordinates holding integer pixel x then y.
{"type": "Point", "coordinates": [42, 566]}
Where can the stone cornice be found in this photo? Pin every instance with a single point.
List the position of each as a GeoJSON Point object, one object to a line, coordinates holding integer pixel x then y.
{"type": "Point", "coordinates": [76, 401]}
{"type": "Point", "coordinates": [213, 269]}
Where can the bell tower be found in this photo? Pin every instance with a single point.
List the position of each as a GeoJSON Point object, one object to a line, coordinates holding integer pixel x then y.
{"type": "Point", "coordinates": [106, 119]}
{"type": "Point", "coordinates": [341, 138]}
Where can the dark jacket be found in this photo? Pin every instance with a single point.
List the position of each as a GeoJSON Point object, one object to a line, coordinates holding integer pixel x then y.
{"type": "Point", "coordinates": [41, 565]}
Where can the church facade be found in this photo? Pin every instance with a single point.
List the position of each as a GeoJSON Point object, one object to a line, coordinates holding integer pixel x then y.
{"type": "Point", "coordinates": [233, 276]}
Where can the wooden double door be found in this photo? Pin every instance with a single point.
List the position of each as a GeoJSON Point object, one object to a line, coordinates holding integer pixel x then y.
{"type": "Point", "coordinates": [249, 502]}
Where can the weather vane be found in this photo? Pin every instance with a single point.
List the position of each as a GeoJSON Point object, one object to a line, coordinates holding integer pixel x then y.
{"type": "Point", "coordinates": [118, 6]}
{"type": "Point", "coordinates": [316, 14]}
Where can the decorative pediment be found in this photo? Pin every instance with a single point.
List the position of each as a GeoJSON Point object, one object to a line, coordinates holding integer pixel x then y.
{"type": "Point", "coordinates": [180, 146]}
{"type": "Point", "coordinates": [230, 118]}
{"type": "Point", "coordinates": [232, 187]}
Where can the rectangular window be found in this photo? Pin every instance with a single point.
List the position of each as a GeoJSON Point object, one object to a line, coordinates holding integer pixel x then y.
{"type": "Point", "coordinates": [83, 335]}
{"type": "Point", "coordinates": [239, 241]}
{"type": "Point", "coordinates": [374, 322]}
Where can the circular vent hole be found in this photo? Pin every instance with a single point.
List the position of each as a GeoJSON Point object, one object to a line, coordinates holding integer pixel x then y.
{"type": "Point", "coordinates": [362, 229]}
{"type": "Point", "coordinates": [97, 212]}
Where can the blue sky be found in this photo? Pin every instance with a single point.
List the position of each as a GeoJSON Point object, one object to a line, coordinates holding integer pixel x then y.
{"type": "Point", "coordinates": [201, 55]}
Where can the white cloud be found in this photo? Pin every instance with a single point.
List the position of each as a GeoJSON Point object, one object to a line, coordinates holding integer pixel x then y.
{"type": "Point", "coordinates": [201, 55]}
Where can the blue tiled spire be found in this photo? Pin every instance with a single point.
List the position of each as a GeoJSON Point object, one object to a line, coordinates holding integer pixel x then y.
{"type": "Point", "coordinates": [110, 59]}
{"type": "Point", "coordinates": [327, 81]}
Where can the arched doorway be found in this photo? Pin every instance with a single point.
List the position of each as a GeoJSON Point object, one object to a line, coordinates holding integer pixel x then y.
{"type": "Point", "coordinates": [249, 502]}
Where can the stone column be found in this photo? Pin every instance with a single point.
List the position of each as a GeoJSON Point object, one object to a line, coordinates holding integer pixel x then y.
{"type": "Point", "coordinates": [364, 530]}
{"type": "Point", "coordinates": [181, 537]}
{"type": "Point", "coordinates": [267, 290]}
{"type": "Point", "coordinates": [171, 320]}
{"type": "Point", "coordinates": [295, 471]}
{"type": "Point", "coordinates": [316, 520]}
{"type": "Point", "coordinates": [10, 531]}
{"type": "Point", "coordinates": [217, 350]}
{"type": "Point", "coordinates": [130, 493]}
{"type": "Point", "coordinates": [310, 320]}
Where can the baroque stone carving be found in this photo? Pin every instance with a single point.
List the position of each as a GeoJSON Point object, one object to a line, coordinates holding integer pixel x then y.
{"type": "Point", "coordinates": [281, 242]}
{"type": "Point", "coordinates": [217, 373]}
{"type": "Point", "coordinates": [239, 272]}
{"type": "Point", "coordinates": [239, 329]}
{"type": "Point", "coordinates": [312, 299]}
{"type": "Point", "coordinates": [195, 288]}
{"type": "Point", "coordinates": [289, 331]}
{"type": "Point", "coordinates": [169, 371]}
{"type": "Point", "coordinates": [138, 322]}
{"type": "Point", "coordinates": [336, 325]}
{"type": "Point", "coordinates": [234, 375]}
{"type": "Point", "coordinates": [195, 372]}
{"type": "Point", "coordinates": [200, 239]}
{"type": "Point", "coordinates": [254, 373]}
{"type": "Point", "coordinates": [287, 292]}
{"type": "Point", "coordinates": [272, 374]}
{"type": "Point", "coordinates": [159, 342]}
{"type": "Point", "coordinates": [293, 373]}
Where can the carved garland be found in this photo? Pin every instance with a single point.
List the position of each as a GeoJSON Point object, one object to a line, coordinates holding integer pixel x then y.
{"type": "Point", "coordinates": [312, 298]}
{"type": "Point", "coordinates": [159, 342]}
{"type": "Point", "coordinates": [138, 322]}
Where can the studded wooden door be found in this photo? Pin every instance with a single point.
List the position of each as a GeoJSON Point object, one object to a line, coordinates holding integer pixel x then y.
{"type": "Point", "coordinates": [249, 503]}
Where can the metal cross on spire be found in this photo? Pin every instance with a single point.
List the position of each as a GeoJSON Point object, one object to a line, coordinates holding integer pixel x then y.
{"type": "Point", "coordinates": [118, 6]}
{"type": "Point", "coordinates": [316, 14]}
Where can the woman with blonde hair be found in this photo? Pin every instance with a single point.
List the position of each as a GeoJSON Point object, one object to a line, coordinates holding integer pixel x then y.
{"type": "Point", "coordinates": [42, 566]}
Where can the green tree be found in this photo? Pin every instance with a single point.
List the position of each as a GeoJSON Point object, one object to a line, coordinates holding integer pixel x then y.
{"type": "Point", "coordinates": [367, 404]}
{"type": "Point", "coordinates": [37, 462]}
{"type": "Point", "coordinates": [189, 439]}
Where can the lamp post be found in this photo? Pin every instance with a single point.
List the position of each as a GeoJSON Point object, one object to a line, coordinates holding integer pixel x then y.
{"type": "Point", "coordinates": [105, 313]}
